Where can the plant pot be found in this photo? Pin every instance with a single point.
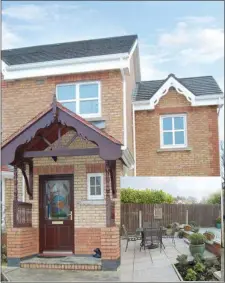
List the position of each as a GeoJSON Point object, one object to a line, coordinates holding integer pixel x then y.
{"type": "Point", "coordinates": [209, 236]}
{"type": "Point", "coordinates": [187, 228]}
{"type": "Point", "coordinates": [218, 225]}
{"type": "Point", "coordinates": [197, 249]}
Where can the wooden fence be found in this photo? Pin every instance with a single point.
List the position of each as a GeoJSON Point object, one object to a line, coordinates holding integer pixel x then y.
{"type": "Point", "coordinates": [203, 214]}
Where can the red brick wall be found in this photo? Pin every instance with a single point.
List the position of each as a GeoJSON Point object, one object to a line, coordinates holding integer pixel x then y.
{"type": "Point", "coordinates": [110, 243]}
{"type": "Point", "coordinates": [106, 239]}
{"type": "Point", "coordinates": [20, 96]}
{"type": "Point", "coordinates": [87, 239]}
{"type": "Point", "coordinates": [22, 242]}
{"type": "Point", "coordinates": [202, 132]}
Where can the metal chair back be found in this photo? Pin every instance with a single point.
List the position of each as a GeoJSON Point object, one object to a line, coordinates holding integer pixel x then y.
{"type": "Point", "coordinates": [147, 225]}
{"type": "Point", "coordinates": [125, 231]}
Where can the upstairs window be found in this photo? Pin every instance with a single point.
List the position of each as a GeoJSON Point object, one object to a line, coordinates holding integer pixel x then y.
{"type": "Point", "coordinates": [173, 131]}
{"type": "Point", "coordinates": [81, 98]}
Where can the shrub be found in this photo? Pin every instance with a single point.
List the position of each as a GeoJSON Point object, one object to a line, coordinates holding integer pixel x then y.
{"type": "Point", "coordinates": [4, 253]}
{"type": "Point", "coordinates": [218, 220]}
{"type": "Point", "coordinates": [199, 267]}
{"type": "Point", "coordinates": [197, 239]}
{"type": "Point", "coordinates": [191, 275]}
{"type": "Point", "coordinates": [182, 260]}
{"type": "Point", "coordinates": [209, 235]}
{"type": "Point", "coordinates": [145, 196]}
{"type": "Point", "coordinates": [193, 224]}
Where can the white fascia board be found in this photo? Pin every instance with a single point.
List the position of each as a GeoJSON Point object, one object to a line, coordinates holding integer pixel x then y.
{"type": "Point", "coordinates": [7, 175]}
{"type": "Point", "coordinates": [205, 100]}
{"type": "Point", "coordinates": [128, 158]}
{"type": "Point", "coordinates": [66, 67]}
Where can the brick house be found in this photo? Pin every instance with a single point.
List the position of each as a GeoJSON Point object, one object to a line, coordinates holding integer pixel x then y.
{"type": "Point", "coordinates": [65, 195]}
{"type": "Point", "coordinates": [181, 115]}
{"type": "Point", "coordinates": [76, 118]}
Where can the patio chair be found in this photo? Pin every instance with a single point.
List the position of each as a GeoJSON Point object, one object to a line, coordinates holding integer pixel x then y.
{"type": "Point", "coordinates": [171, 235]}
{"type": "Point", "coordinates": [152, 236]}
{"type": "Point", "coordinates": [147, 225]}
{"type": "Point", "coordinates": [128, 236]}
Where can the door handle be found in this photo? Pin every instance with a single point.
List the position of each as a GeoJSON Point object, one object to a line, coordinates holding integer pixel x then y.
{"type": "Point", "coordinates": [71, 215]}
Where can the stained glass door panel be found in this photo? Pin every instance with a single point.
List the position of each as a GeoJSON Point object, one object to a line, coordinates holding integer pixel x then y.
{"type": "Point", "coordinates": [57, 200]}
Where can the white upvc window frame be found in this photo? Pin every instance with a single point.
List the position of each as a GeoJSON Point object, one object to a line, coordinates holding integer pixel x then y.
{"type": "Point", "coordinates": [184, 116]}
{"type": "Point", "coordinates": [95, 197]}
{"type": "Point", "coordinates": [78, 99]}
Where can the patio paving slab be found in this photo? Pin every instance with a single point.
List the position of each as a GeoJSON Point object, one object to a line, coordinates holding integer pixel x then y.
{"type": "Point", "coordinates": [136, 266]}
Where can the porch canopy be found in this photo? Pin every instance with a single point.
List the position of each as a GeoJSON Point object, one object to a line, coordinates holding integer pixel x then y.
{"type": "Point", "coordinates": [37, 137]}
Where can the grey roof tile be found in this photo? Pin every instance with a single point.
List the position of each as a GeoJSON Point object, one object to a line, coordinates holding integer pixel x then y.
{"type": "Point", "coordinates": [69, 50]}
{"type": "Point", "coordinates": [205, 85]}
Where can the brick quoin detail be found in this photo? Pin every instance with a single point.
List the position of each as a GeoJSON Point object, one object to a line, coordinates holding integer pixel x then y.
{"type": "Point", "coordinates": [95, 168]}
{"type": "Point", "coordinates": [51, 169]}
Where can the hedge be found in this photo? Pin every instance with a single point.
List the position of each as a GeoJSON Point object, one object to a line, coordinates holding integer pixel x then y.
{"type": "Point", "coordinates": [145, 196]}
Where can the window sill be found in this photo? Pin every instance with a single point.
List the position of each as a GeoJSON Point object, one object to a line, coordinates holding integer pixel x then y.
{"type": "Point", "coordinates": [175, 149]}
{"type": "Point", "coordinates": [93, 119]}
{"type": "Point", "coordinates": [93, 202]}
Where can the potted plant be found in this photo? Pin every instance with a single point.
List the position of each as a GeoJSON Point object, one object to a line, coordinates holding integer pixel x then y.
{"type": "Point", "coordinates": [218, 222]}
{"type": "Point", "coordinates": [197, 243]}
{"type": "Point", "coordinates": [209, 235]}
{"type": "Point", "coordinates": [168, 229]}
{"type": "Point", "coordinates": [187, 227]}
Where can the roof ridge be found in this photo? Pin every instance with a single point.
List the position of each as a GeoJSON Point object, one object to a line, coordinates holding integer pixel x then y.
{"type": "Point", "coordinates": [68, 42]}
{"type": "Point", "coordinates": [208, 76]}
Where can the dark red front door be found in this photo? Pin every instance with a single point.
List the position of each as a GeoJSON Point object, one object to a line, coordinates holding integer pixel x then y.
{"type": "Point", "coordinates": [56, 213]}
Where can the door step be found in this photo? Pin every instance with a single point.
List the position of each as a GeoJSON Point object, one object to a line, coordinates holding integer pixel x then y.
{"type": "Point", "coordinates": [63, 263]}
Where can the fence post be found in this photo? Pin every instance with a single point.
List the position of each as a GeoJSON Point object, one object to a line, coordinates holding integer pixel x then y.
{"type": "Point", "coordinates": [140, 218]}
{"type": "Point", "coordinates": [187, 216]}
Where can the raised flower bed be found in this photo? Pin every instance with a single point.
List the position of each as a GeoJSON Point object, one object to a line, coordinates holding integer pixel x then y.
{"type": "Point", "coordinates": [199, 269]}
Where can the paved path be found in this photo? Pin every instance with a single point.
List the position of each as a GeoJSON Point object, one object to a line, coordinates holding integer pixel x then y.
{"type": "Point", "coordinates": [136, 266]}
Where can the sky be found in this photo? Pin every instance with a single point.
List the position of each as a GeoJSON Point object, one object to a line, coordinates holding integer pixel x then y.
{"type": "Point", "coordinates": [198, 187]}
{"type": "Point", "coordinates": [181, 37]}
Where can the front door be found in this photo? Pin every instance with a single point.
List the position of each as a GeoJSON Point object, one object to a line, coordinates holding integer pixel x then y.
{"type": "Point", "coordinates": [56, 213]}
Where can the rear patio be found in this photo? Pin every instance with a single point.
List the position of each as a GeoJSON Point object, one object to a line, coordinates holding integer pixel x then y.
{"type": "Point", "coordinates": [136, 266]}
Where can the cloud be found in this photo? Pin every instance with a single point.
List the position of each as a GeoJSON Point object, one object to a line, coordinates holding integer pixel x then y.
{"type": "Point", "coordinates": [194, 44]}
{"type": "Point", "coordinates": [9, 38]}
{"type": "Point", "coordinates": [198, 20]}
{"type": "Point", "coordinates": [28, 12]}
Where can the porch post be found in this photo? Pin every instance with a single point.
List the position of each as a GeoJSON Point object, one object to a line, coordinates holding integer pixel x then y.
{"type": "Point", "coordinates": [15, 193]}
{"type": "Point", "coordinates": [15, 183]}
{"type": "Point", "coordinates": [108, 200]}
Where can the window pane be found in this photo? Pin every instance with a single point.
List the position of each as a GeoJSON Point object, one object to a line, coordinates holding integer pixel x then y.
{"type": "Point", "coordinates": [167, 123]}
{"type": "Point", "coordinates": [92, 190]}
{"type": "Point", "coordinates": [89, 91]}
{"type": "Point", "coordinates": [179, 137]}
{"type": "Point", "coordinates": [98, 190]}
{"type": "Point", "coordinates": [178, 123]}
{"type": "Point", "coordinates": [65, 92]}
{"type": "Point", "coordinates": [57, 199]}
{"type": "Point", "coordinates": [167, 138]}
{"type": "Point", "coordinates": [89, 107]}
{"type": "Point", "coordinates": [98, 181]}
{"type": "Point", "coordinates": [70, 105]}
{"type": "Point", "coordinates": [92, 181]}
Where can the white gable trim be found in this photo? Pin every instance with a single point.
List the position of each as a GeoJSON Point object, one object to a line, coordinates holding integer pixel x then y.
{"type": "Point", "coordinates": [172, 82]}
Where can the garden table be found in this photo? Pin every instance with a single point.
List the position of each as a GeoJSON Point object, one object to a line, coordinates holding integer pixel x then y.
{"type": "Point", "coordinates": [152, 246]}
